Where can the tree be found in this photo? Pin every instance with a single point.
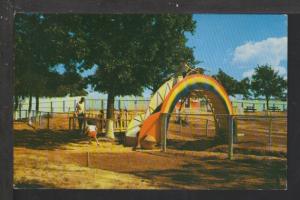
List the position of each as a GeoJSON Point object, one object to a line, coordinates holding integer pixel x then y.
{"type": "Point", "coordinates": [228, 82]}
{"type": "Point", "coordinates": [134, 51]}
{"type": "Point", "coordinates": [268, 83]}
{"type": "Point", "coordinates": [131, 52]}
{"type": "Point", "coordinates": [42, 43]}
{"type": "Point", "coordinates": [243, 87]}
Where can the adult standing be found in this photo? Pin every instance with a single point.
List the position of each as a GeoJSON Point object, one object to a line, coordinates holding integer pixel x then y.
{"type": "Point", "coordinates": [79, 113]}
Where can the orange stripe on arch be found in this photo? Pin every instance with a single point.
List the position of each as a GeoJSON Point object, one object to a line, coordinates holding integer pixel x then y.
{"type": "Point", "coordinates": [189, 81]}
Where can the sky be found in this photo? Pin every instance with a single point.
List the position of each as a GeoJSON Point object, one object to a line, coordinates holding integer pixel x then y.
{"type": "Point", "coordinates": [237, 43]}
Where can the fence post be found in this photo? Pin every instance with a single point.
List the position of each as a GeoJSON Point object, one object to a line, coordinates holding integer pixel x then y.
{"type": "Point", "coordinates": [206, 128]}
{"type": "Point", "coordinates": [163, 136]}
{"type": "Point", "coordinates": [64, 106]}
{"type": "Point", "coordinates": [235, 130]}
{"type": "Point", "coordinates": [270, 133]}
{"type": "Point", "coordinates": [51, 107]}
{"type": "Point", "coordinates": [48, 120]}
{"type": "Point", "coordinates": [74, 122]}
{"type": "Point", "coordinates": [230, 137]}
{"type": "Point", "coordinates": [40, 118]}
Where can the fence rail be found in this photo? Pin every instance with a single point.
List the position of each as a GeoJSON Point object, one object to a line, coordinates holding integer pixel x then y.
{"type": "Point", "coordinates": [68, 121]}
{"type": "Point", "coordinates": [138, 105]}
{"type": "Point", "coordinates": [264, 132]}
{"type": "Point", "coordinates": [251, 134]}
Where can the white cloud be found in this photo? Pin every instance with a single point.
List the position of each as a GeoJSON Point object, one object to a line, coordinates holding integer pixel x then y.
{"type": "Point", "coordinates": [281, 71]}
{"type": "Point", "coordinates": [269, 51]}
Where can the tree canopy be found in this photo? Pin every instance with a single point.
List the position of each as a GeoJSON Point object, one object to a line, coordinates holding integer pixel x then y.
{"type": "Point", "coordinates": [131, 52]}
{"type": "Point", "coordinates": [268, 83]}
{"type": "Point", "coordinates": [233, 86]}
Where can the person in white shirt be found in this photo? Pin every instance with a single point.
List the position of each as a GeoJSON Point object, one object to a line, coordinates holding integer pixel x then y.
{"type": "Point", "coordinates": [91, 130]}
{"type": "Point", "coordinates": [79, 113]}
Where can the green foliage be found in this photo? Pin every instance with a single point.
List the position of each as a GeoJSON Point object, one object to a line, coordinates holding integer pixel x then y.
{"type": "Point", "coordinates": [243, 87]}
{"type": "Point", "coordinates": [41, 45]}
{"type": "Point", "coordinates": [228, 82]}
{"type": "Point", "coordinates": [233, 86]}
{"type": "Point", "coordinates": [267, 82]}
{"type": "Point", "coordinates": [135, 51]}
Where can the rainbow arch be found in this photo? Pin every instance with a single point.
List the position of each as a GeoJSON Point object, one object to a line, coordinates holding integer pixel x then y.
{"type": "Point", "coordinates": [197, 81]}
{"type": "Point", "coordinates": [209, 88]}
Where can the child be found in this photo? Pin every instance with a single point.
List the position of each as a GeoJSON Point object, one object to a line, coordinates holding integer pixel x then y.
{"type": "Point", "coordinates": [91, 130]}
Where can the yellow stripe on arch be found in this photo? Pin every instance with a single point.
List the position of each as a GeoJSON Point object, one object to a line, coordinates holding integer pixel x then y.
{"type": "Point", "coordinates": [191, 80]}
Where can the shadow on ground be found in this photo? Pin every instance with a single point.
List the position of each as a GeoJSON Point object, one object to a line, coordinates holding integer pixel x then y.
{"type": "Point", "coordinates": [34, 184]}
{"type": "Point", "coordinates": [221, 174]}
{"type": "Point", "coordinates": [46, 139]}
{"type": "Point", "coordinates": [193, 145]}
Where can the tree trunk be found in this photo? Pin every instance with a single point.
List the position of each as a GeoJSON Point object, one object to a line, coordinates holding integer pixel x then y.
{"type": "Point", "coordinates": [29, 109]}
{"type": "Point", "coordinates": [110, 116]}
{"type": "Point", "coordinates": [37, 104]}
{"type": "Point", "coordinates": [16, 98]}
{"type": "Point", "coordinates": [30, 104]}
{"type": "Point", "coordinates": [267, 101]}
{"type": "Point", "coordinates": [16, 103]}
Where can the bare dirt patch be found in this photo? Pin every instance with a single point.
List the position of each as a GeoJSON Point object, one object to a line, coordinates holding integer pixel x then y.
{"type": "Point", "coordinates": [59, 159]}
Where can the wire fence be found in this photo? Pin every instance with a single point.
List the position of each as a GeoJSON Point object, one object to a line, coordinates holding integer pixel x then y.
{"type": "Point", "coordinates": [138, 105]}
{"type": "Point", "coordinates": [68, 121]}
{"type": "Point", "coordinates": [251, 134]}
{"type": "Point", "coordinates": [67, 106]}
{"type": "Point", "coordinates": [257, 134]}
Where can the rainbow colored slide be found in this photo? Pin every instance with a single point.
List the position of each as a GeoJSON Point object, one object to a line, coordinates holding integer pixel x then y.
{"type": "Point", "coordinates": [149, 129]}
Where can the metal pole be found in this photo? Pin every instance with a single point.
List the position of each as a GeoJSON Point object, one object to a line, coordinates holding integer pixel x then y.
{"type": "Point", "coordinates": [64, 106]}
{"type": "Point", "coordinates": [164, 132]}
{"type": "Point", "coordinates": [40, 118]}
{"type": "Point", "coordinates": [48, 120]}
{"type": "Point", "coordinates": [51, 107]}
{"type": "Point", "coordinates": [230, 137]}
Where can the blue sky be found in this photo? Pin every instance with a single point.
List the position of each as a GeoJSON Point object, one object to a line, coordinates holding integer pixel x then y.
{"type": "Point", "coordinates": [238, 43]}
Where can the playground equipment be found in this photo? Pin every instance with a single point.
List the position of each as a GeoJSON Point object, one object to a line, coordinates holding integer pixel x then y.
{"type": "Point", "coordinates": [155, 120]}
{"type": "Point", "coordinates": [154, 106]}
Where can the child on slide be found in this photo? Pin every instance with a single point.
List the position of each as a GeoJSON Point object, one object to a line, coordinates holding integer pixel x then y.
{"type": "Point", "coordinates": [91, 130]}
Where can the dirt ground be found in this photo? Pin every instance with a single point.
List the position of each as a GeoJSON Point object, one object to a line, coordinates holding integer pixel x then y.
{"type": "Point", "coordinates": [64, 159]}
